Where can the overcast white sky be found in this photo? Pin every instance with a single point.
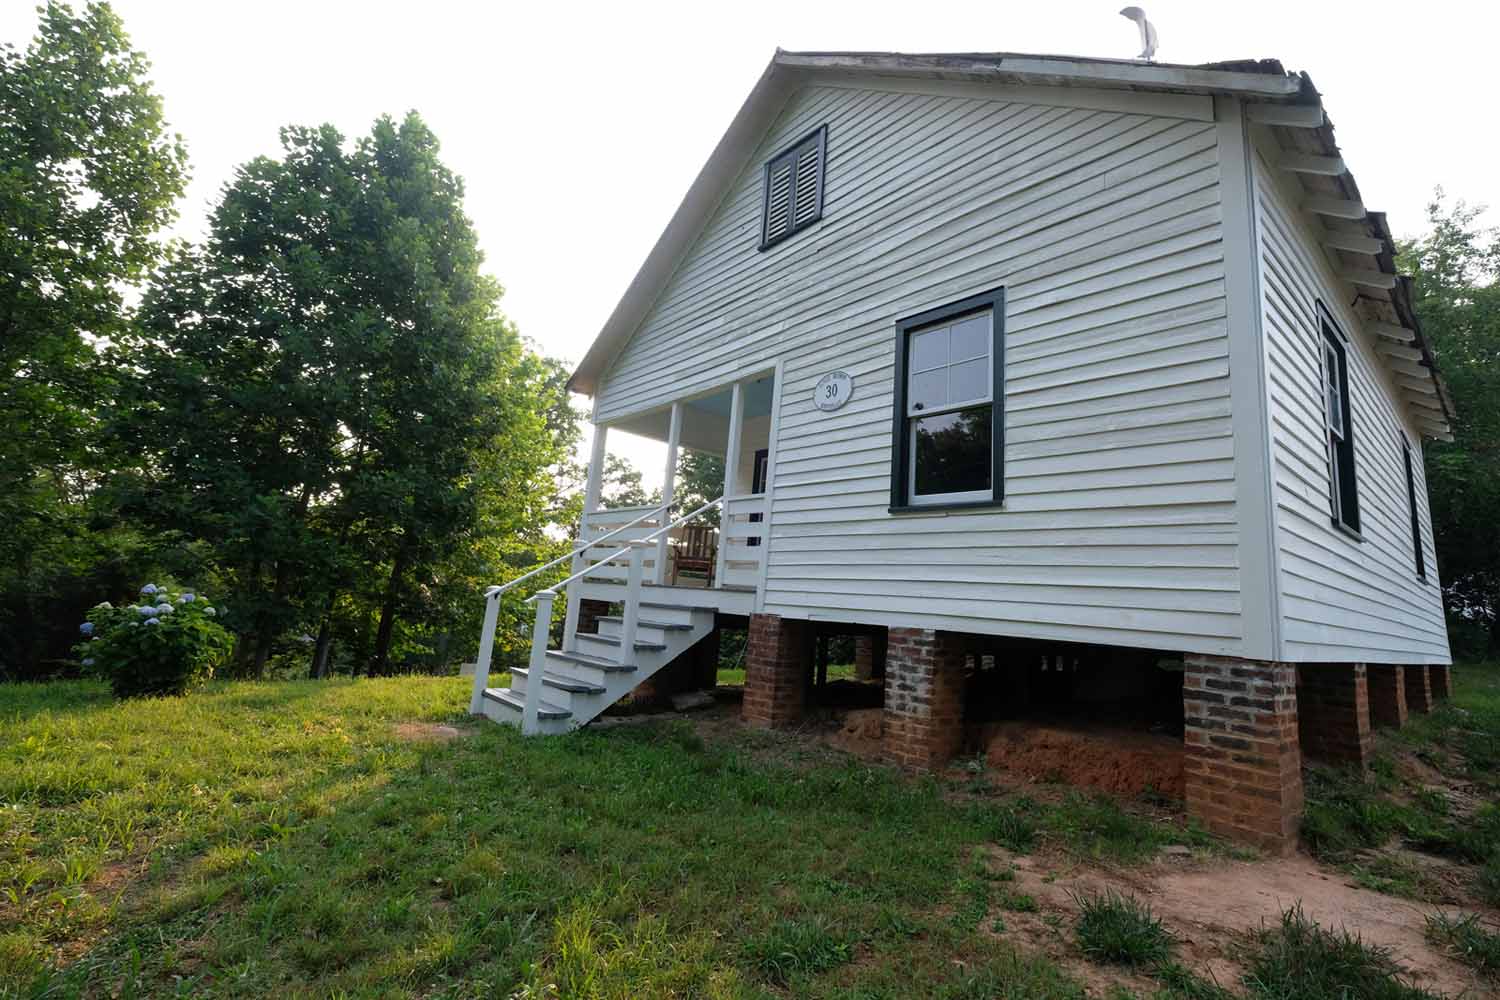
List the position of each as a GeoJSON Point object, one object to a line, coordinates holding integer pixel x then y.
{"type": "Point", "coordinates": [578, 129]}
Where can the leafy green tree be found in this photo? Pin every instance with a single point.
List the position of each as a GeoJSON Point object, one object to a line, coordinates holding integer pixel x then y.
{"type": "Point", "coordinates": [1457, 300]}
{"type": "Point", "coordinates": [327, 393]}
{"type": "Point", "coordinates": [88, 175]}
{"type": "Point", "coordinates": [620, 485]}
{"type": "Point", "coordinates": [700, 479]}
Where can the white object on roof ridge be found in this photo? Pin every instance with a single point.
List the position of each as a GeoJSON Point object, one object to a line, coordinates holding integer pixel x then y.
{"type": "Point", "coordinates": [1148, 31]}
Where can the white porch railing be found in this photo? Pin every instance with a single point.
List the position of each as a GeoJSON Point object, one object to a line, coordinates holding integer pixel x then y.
{"type": "Point", "coordinates": [742, 541]}
{"type": "Point", "coordinates": [635, 548]}
{"type": "Point", "coordinates": [492, 599]}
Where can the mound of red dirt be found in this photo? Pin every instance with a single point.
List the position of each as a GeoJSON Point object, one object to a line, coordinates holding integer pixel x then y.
{"type": "Point", "coordinates": [1119, 761]}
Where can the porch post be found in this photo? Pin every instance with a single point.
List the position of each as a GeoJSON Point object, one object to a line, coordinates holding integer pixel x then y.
{"type": "Point", "coordinates": [731, 468]}
{"type": "Point", "coordinates": [592, 489]}
{"type": "Point", "coordinates": [668, 483]}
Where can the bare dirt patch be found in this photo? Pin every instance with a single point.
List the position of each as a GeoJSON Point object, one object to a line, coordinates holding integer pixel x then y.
{"type": "Point", "coordinates": [1212, 907]}
{"type": "Point", "coordinates": [426, 732]}
{"type": "Point", "coordinates": [1118, 761]}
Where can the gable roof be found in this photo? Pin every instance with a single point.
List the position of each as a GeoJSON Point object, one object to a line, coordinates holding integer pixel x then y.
{"type": "Point", "coordinates": [1287, 103]}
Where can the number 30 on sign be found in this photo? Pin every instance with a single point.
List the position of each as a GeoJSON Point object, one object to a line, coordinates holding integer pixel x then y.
{"type": "Point", "coordinates": [833, 391]}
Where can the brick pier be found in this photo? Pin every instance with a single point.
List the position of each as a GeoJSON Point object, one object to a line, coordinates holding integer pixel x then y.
{"type": "Point", "coordinates": [1418, 689]}
{"type": "Point", "coordinates": [1387, 684]}
{"type": "Point", "coordinates": [1440, 679]}
{"type": "Point", "coordinates": [924, 687]}
{"type": "Point", "coordinates": [1333, 712]}
{"type": "Point", "coordinates": [777, 661]}
{"type": "Point", "coordinates": [1242, 756]}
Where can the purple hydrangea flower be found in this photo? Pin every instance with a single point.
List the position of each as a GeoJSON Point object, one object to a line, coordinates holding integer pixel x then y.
{"type": "Point", "coordinates": [89, 662]}
{"type": "Point", "coordinates": [87, 628]}
{"type": "Point", "coordinates": [153, 621]}
{"type": "Point", "coordinates": [164, 608]}
{"type": "Point", "coordinates": [149, 588]}
{"type": "Point", "coordinates": [189, 598]}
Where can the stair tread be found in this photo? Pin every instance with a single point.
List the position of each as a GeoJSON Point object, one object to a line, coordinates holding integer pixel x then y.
{"type": "Point", "coordinates": [560, 682]}
{"type": "Point", "coordinates": [609, 666]}
{"type": "Point", "coordinates": [545, 709]}
{"type": "Point", "coordinates": [610, 640]}
{"type": "Point", "coordinates": [669, 626]}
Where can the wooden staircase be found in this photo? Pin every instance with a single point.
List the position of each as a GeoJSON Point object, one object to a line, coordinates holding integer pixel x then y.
{"type": "Point", "coordinates": [562, 689]}
{"type": "Point", "coordinates": [591, 671]}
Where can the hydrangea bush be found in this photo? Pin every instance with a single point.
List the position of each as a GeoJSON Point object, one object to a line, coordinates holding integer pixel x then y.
{"type": "Point", "coordinates": [165, 645]}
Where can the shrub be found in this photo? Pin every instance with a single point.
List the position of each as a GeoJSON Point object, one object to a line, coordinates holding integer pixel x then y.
{"type": "Point", "coordinates": [167, 644]}
{"type": "Point", "coordinates": [1121, 929]}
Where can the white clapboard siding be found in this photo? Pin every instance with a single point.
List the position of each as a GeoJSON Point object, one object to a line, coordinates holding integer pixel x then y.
{"type": "Point", "coordinates": [1341, 598]}
{"type": "Point", "coordinates": [1105, 228]}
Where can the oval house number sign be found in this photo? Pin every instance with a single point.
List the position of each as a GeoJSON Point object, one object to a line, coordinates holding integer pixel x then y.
{"type": "Point", "coordinates": [833, 391]}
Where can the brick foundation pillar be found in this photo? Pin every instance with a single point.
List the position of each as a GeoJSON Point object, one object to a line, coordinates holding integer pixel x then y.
{"type": "Point", "coordinates": [924, 687]}
{"type": "Point", "coordinates": [1387, 683]}
{"type": "Point", "coordinates": [589, 613]}
{"type": "Point", "coordinates": [1440, 680]}
{"type": "Point", "coordinates": [1333, 712]}
{"type": "Point", "coordinates": [869, 656]}
{"type": "Point", "coordinates": [776, 664]}
{"type": "Point", "coordinates": [1241, 755]}
{"type": "Point", "coordinates": [1418, 689]}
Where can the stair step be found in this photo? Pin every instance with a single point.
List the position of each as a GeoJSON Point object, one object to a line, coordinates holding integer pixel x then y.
{"type": "Point", "coordinates": [610, 640]}
{"type": "Point", "coordinates": [508, 698]}
{"type": "Point", "coordinates": [561, 683]}
{"type": "Point", "coordinates": [597, 662]}
{"type": "Point", "coordinates": [666, 626]}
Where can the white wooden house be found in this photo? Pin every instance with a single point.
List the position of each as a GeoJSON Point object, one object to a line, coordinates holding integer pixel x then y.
{"type": "Point", "coordinates": [1029, 348]}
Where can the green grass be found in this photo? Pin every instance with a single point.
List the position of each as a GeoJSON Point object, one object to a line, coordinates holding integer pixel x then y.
{"type": "Point", "coordinates": [1470, 941]}
{"type": "Point", "coordinates": [285, 839]}
{"type": "Point", "coordinates": [1350, 816]}
{"type": "Point", "coordinates": [1120, 929]}
{"type": "Point", "coordinates": [1299, 960]}
{"type": "Point", "coordinates": [735, 677]}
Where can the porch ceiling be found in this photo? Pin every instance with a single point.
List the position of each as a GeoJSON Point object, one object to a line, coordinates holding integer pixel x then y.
{"type": "Point", "coordinates": [705, 420]}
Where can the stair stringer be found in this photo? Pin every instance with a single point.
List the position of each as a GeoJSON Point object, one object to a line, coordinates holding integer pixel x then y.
{"type": "Point", "coordinates": [584, 679]}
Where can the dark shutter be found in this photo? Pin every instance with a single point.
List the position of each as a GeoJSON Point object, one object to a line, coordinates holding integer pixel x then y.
{"type": "Point", "coordinates": [1411, 499]}
{"type": "Point", "coordinates": [793, 197]}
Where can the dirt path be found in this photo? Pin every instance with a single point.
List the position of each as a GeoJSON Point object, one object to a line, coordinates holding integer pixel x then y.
{"type": "Point", "coordinates": [1212, 905]}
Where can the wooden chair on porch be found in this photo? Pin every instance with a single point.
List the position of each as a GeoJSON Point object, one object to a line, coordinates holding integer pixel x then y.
{"type": "Point", "coordinates": [695, 553]}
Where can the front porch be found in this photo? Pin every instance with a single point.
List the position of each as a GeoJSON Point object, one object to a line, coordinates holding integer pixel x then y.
{"type": "Point", "coordinates": [712, 561]}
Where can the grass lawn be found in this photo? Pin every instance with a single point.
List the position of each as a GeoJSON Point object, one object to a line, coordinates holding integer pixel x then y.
{"type": "Point", "coordinates": [328, 839]}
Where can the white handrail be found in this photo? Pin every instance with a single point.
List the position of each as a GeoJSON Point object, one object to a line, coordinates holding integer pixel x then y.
{"type": "Point", "coordinates": [542, 625]}
{"type": "Point", "coordinates": [581, 548]}
{"type": "Point", "coordinates": [492, 604]}
{"type": "Point", "coordinates": [611, 558]}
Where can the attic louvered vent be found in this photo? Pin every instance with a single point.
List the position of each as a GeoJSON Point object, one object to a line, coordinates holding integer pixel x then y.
{"type": "Point", "coordinates": [793, 198]}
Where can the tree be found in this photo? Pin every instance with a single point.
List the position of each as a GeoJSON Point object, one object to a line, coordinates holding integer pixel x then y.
{"type": "Point", "coordinates": [700, 479]}
{"type": "Point", "coordinates": [328, 394]}
{"type": "Point", "coordinates": [88, 175]}
{"type": "Point", "coordinates": [1457, 301]}
{"type": "Point", "coordinates": [620, 485]}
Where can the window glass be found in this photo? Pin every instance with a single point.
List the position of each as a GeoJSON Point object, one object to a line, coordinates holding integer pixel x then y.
{"type": "Point", "coordinates": [1332, 378]}
{"type": "Point", "coordinates": [949, 365]}
{"type": "Point", "coordinates": [951, 452]}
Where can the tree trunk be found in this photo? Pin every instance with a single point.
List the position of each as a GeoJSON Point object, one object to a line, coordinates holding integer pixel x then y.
{"type": "Point", "coordinates": [380, 661]}
{"type": "Point", "coordinates": [319, 668]}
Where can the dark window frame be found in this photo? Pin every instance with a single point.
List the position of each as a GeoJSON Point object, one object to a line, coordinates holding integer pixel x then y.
{"type": "Point", "coordinates": [818, 137]}
{"type": "Point", "coordinates": [1343, 477]}
{"type": "Point", "coordinates": [1419, 557]}
{"type": "Point", "coordinates": [992, 301]}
